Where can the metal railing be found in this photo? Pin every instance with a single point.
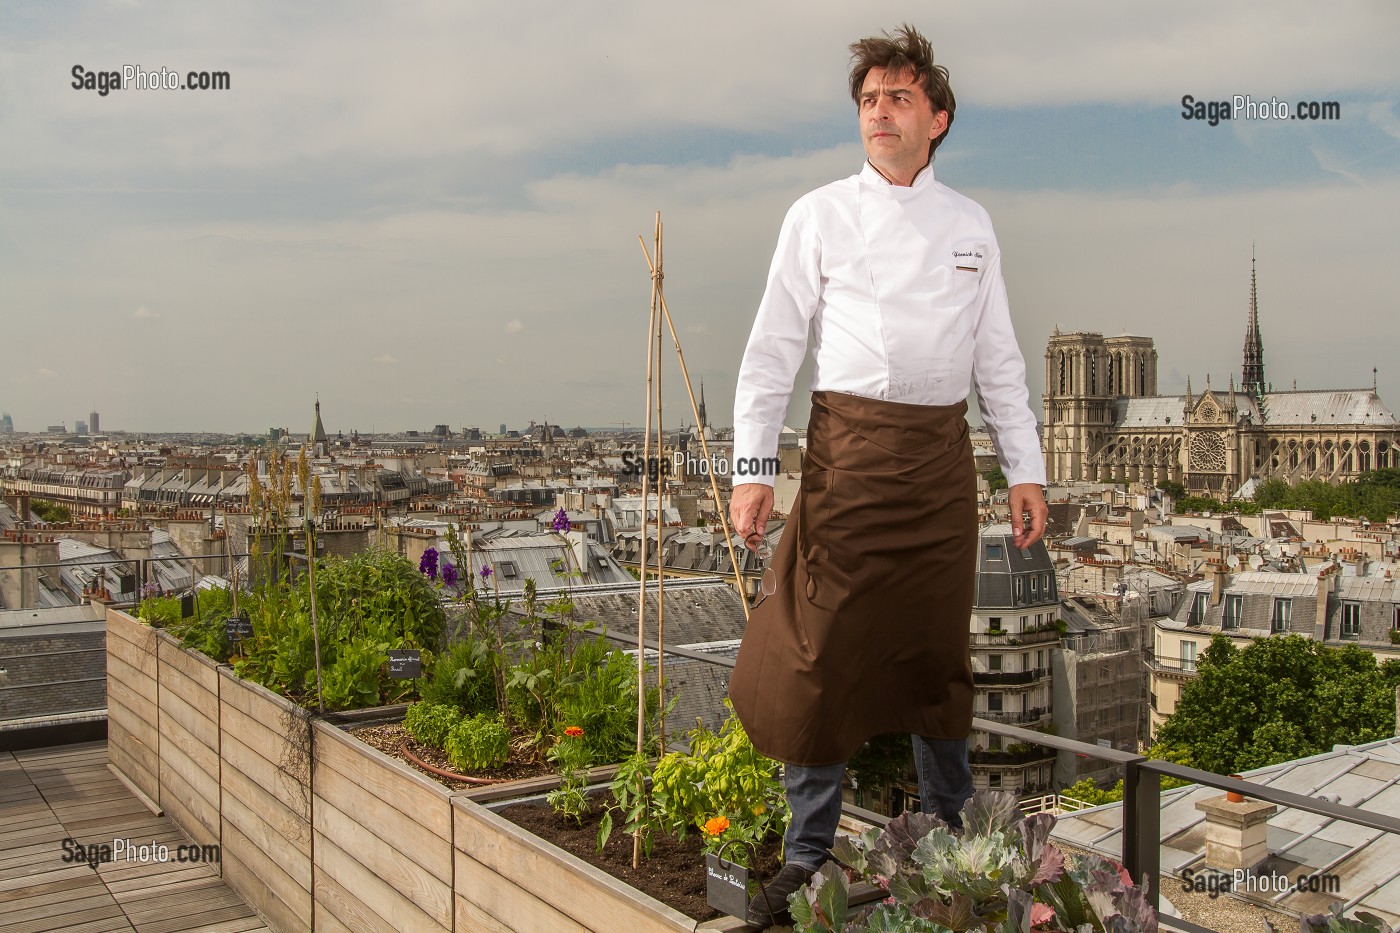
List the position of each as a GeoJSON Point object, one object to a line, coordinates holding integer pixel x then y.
{"type": "Point", "coordinates": [1142, 789]}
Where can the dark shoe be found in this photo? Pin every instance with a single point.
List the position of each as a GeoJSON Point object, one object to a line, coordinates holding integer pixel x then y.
{"type": "Point", "coordinates": [769, 906]}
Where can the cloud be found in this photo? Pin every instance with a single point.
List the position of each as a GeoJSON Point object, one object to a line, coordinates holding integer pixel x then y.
{"type": "Point", "coordinates": [144, 313]}
{"type": "Point", "coordinates": [514, 326]}
{"type": "Point", "coordinates": [386, 358]}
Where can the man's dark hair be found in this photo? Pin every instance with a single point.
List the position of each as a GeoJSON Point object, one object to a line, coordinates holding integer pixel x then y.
{"type": "Point", "coordinates": [904, 50]}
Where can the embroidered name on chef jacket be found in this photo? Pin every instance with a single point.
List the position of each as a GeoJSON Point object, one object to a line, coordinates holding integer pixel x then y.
{"type": "Point", "coordinates": [967, 260]}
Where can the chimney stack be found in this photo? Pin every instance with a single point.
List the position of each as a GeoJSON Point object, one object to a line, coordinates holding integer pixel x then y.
{"type": "Point", "coordinates": [1236, 833]}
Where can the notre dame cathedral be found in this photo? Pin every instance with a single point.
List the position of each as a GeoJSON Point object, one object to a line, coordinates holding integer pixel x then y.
{"type": "Point", "coordinates": [1105, 421]}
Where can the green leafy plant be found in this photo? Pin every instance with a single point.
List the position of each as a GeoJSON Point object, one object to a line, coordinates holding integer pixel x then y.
{"type": "Point", "coordinates": [1002, 874]}
{"type": "Point", "coordinates": [430, 723]}
{"type": "Point", "coordinates": [478, 743]}
{"type": "Point", "coordinates": [722, 777]}
{"type": "Point", "coordinates": [632, 798]}
{"type": "Point", "coordinates": [464, 676]}
{"type": "Point", "coordinates": [570, 754]}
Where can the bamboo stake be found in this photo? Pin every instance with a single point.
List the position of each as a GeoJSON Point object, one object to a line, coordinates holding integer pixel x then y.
{"type": "Point", "coordinates": [642, 561]}
{"type": "Point", "coordinates": [704, 447]}
{"type": "Point", "coordinates": [660, 278]}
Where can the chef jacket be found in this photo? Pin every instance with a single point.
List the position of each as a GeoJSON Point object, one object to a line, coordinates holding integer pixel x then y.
{"type": "Point", "coordinates": [901, 288]}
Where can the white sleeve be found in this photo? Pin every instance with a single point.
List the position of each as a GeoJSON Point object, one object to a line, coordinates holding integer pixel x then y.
{"type": "Point", "coordinates": [776, 344]}
{"type": "Point", "coordinates": [999, 376]}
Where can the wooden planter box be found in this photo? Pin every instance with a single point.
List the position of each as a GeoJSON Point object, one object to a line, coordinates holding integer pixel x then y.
{"type": "Point", "coordinates": [347, 839]}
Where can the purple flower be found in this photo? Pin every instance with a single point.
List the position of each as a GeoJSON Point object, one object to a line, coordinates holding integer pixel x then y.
{"type": "Point", "coordinates": [485, 572]}
{"type": "Point", "coordinates": [449, 574]}
{"type": "Point", "coordinates": [429, 563]}
{"type": "Point", "coordinates": [561, 521]}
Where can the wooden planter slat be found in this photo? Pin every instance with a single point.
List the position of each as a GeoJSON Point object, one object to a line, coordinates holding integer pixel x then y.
{"type": "Point", "coordinates": [283, 837]}
{"type": "Point", "coordinates": [196, 708]}
{"type": "Point", "coordinates": [140, 665]}
{"type": "Point", "coordinates": [263, 774]}
{"type": "Point", "coordinates": [580, 890]}
{"type": "Point", "coordinates": [409, 790]}
{"type": "Point", "coordinates": [374, 893]}
{"type": "Point", "coordinates": [414, 840]}
{"type": "Point", "coordinates": [131, 629]}
{"type": "Point", "coordinates": [135, 759]}
{"type": "Point", "coordinates": [184, 788]}
{"type": "Point", "coordinates": [263, 884]}
{"type": "Point", "coordinates": [486, 891]}
{"type": "Point", "coordinates": [471, 917]}
{"type": "Point", "coordinates": [196, 666]}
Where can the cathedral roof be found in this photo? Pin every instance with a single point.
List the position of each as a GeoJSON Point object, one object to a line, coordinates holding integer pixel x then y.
{"type": "Point", "coordinates": [1298, 407]}
{"type": "Point", "coordinates": [1327, 406]}
{"type": "Point", "coordinates": [1152, 411]}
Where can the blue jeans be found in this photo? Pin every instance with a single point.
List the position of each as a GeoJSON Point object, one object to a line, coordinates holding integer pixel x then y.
{"type": "Point", "coordinates": [814, 796]}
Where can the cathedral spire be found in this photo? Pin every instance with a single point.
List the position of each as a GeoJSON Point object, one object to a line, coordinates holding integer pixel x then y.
{"type": "Point", "coordinates": [1252, 381]}
{"type": "Point", "coordinates": [704, 420]}
{"type": "Point", "coordinates": [318, 433]}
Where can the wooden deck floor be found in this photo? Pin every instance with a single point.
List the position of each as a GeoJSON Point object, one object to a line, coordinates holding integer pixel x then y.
{"type": "Point", "coordinates": [51, 794]}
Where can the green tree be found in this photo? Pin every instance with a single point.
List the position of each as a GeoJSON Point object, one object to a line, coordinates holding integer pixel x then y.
{"type": "Point", "coordinates": [1172, 488]}
{"type": "Point", "coordinates": [1278, 699]}
{"type": "Point", "coordinates": [995, 479]}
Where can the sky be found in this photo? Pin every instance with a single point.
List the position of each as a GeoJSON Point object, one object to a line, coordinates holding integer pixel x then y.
{"type": "Point", "coordinates": [428, 212]}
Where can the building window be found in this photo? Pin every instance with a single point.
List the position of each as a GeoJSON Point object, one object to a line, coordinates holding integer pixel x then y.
{"type": "Point", "coordinates": [1035, 588]}
{"type": "Point", "coordinates": [1351, 620]}
{"type": "Point", "coordinates": [993, 552]}
{"type": "Point", "coordinates": [1395, 617]}
{"type": "Point", "coordinates": [1152, 698]}
{"type": "Point", "coordinates": [1283, 615]}
{"type": "Point", "coordinates": [994, 662]}
{"type": "Point", "coordinates": [1020, 589]}
{"type": "Point", "coordinates": [994, 780]}
{"type": "Point", "coordinates": [1040, 658]}
{"type": "Point", "coordinates": [1198, 609]}
{"type": "Point", "coordinates": [994, 701]}
{"type": "Point", "coordinates": [1233, 607]}
{"type": "Point", "coordinates": [994, 623]}
{"type": "Point", "coordinates": [1188, 655]}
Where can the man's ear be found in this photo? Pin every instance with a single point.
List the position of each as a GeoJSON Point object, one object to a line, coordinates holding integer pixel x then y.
{"type": "Point", "coordinates": [940, 125]}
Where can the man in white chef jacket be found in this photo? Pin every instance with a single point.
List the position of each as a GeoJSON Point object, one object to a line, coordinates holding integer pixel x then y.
{"type": "Point", "coordinates": [898, 279]}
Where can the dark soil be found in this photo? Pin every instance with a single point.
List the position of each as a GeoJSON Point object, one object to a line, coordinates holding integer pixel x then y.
{"type": "Point", "coordinates": [388, 740]}
{"type": "Point", "coordinates": [674, 875]}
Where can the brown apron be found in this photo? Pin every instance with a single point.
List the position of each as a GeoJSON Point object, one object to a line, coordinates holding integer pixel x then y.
{"type": "Point", "coordinates": [867, 632]}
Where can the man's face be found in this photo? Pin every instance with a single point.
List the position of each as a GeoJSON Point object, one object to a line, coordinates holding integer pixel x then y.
{"type": "Point", "coordinates": [897, 122]}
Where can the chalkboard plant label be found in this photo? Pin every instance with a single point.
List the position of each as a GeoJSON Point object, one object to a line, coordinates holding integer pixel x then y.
{"type": "Point", "coordinates": [237, 628]}
{"type": "Point", "coordinates": [405, 663]}
{"type": "Point", "coordinates": [726, 885]}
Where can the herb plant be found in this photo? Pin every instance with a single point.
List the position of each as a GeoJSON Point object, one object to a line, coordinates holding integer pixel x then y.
{"type": "Point", "coordinates": [430, 723]}
{"type": "Point", "coordinates": [479, 743]}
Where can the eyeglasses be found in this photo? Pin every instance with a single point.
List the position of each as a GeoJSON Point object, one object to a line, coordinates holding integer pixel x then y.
{"type": "Point", "coordinates": [763, 551]}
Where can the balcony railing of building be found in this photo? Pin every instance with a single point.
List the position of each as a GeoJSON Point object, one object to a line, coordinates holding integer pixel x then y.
{"type": "Point", "coordinates": [1013, 717]}
{"type": "Point", "coordinates": [1167, 664]}
{"type": "Point", "coordinates": [1142, 789]}
{"type": "Point", "coordinates": [1005, 757]}
{"type": "Point", "coordinates": [1010, 677]}
{"type": "Point", "coordinates": [1035, 637]}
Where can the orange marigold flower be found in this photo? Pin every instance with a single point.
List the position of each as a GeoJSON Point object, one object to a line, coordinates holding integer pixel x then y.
{"type": "Point", "coordinates": [574, 731]}
{"type": "Point", "coordinates": [716, 825]}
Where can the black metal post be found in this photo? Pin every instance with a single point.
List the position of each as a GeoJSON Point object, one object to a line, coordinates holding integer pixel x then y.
{"type": "Point", "coordinates": [1142, 828]}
